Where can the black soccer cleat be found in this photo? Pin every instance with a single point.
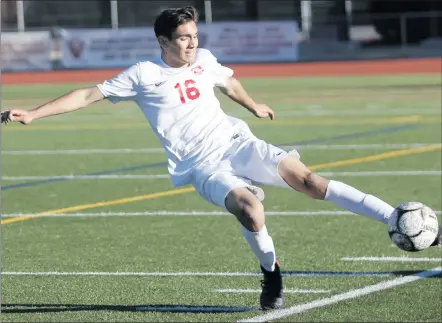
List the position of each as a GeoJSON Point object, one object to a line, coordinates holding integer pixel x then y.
{"type": "Point", "coordinates": [5, 117]}
{"type": "Point", "coordinates": [271, 295]}
{"type": "Point", "coordinates": [438, 241]}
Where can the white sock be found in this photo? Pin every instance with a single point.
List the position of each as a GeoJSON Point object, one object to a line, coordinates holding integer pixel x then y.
{"type": "Point", "coordinates": [262, 245]}
{"type": "Point", "coordinates": [358, 202]}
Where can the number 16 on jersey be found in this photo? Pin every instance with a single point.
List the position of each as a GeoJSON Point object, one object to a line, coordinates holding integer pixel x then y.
{"type": "Point", "coordinates": [190, 91]}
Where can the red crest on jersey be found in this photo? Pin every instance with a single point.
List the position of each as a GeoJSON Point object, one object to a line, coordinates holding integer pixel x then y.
{"type": "Point", "coordinates": [197, 70]}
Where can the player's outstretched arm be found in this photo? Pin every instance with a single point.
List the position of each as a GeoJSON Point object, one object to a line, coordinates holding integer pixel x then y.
{"type": "Point", "coordinates": [234, 90]}
{"type": "Point", "coordinates": [72, 101]}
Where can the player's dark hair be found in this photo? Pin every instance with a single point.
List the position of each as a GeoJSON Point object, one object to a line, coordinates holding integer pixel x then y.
{"type": "Point", "coordinates": [169, 20]}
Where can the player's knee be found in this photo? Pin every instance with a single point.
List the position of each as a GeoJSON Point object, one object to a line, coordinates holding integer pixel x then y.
{"type": "Point", "coordinates": [315, 186]}
{"type": "Point", "coordinates": [247, 208]}
{"type": "Point", "coordinates": [253, 216]}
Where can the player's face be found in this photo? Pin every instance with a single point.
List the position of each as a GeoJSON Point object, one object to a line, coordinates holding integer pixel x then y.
{"type": "Point", "coordinates": [182, 48]}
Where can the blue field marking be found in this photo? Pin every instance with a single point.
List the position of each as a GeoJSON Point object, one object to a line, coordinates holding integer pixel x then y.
{"type": "Point", "coordinates": [106, 172]}
{"type": "Point", "coordinates": [147, 166]}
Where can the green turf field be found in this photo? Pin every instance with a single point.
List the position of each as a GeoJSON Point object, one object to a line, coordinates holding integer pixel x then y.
{"type": "Point", "coordinates": [122, 245]}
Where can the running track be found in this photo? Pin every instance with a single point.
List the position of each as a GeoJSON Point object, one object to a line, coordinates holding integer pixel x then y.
{"type": "Point", "coordinates": [372, 67]}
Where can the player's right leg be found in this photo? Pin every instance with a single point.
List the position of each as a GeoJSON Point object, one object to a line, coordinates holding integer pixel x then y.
{"type": "Point", "coordinates": [249, 211]}
{"type": "Point", "coordinates": [235, 194]}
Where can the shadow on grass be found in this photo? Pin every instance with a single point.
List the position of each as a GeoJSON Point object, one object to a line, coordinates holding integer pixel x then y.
{"type": "Point", "coordinates": [174, 308]}
{"type": "Point", "coordinates": [52, 308]}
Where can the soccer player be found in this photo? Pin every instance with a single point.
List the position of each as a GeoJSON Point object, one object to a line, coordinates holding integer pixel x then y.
{"type": "Point", "coordinates": [206, 148]}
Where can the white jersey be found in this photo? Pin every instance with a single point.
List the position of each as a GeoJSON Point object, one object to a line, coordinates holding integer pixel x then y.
{"type": "Point", "coordinates": [181, 107]}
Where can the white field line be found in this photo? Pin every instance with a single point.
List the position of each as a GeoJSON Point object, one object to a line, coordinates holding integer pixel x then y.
{"type": "Point", "coordinates": [181, 213]}
{"type": "Point", "coordinates": [169, 213]}
{"type": "Point", "coordinates": [166, 176]}
{"type": "Point", "coordinates": [383, 173]}
{"type": "Point", "coordinates": [193, 309]}
{"type": "Point", "coordinates": [359, 146]}
{"type": "Point", "coordinates": [86, 177]}
{"type": "Point", "coordinates": [196, 274]}
{"type": "Point", "coordinates": [392, 259]}
{"type": "Point", "coordinates": [161, 150]}
{"type": "Point", "coordinates": [286, 291]}
{"type": "Point", "coordinates": [84, 151]}
{"type": "Point", "coordinates": [354, 293]}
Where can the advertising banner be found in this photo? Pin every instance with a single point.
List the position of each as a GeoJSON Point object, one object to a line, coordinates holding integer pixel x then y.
{"type": "Point", "coordinates": [244, 42]}
{"type": "Point", "coordinates": [26, 51]}
{"type": "Point", "coordinates": [104, 48]}
{"type": "Point", "coordinates": [230, 42]}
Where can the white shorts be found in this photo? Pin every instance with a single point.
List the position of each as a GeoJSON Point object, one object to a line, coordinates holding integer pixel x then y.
{"type": "Point", "coordinates": [248, 161]}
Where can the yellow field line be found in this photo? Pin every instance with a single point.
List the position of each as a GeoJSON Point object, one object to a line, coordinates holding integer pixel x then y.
{"type": "Point", "coordinates": [104, 203]}
{"type": "Point", "coordinates": [391, 154]}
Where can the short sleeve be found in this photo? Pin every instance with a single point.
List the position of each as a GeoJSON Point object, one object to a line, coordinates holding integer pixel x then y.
{"type": "Point", "coordinates": [123, 87]}
{"type": "Point", "coordinates": [220, 72]}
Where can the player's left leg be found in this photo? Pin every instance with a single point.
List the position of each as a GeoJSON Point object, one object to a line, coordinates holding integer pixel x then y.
{"type": "Point", "coordinates": [270, 165]}
{"type": "Point", "coordinates": [301, 178]}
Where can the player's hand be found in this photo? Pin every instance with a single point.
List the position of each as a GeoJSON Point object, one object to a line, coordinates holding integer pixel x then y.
{"type": "Point", "coordinates": [263, 111]}
{"type": "Point", "coordinates": [21, 116]}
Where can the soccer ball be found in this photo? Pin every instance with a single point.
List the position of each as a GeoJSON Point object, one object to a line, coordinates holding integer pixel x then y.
{"type": "Point", "coordinates": [413, 226]}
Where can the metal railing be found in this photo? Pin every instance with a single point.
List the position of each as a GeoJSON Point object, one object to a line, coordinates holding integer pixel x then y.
{"type": "Point", "coordinates": [402, 28]}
